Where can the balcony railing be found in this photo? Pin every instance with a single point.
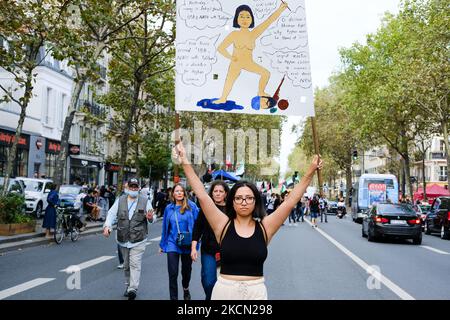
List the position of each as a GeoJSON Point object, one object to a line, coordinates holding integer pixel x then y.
{"type": "Point", "coordinates": [92, 107]}
{"type": "Point", "coordinates": [437, 155]}
{"type": "Point", "coordinates": [442, 178]}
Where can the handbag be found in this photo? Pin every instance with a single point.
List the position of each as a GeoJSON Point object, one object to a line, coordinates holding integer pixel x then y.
{"type": "Point", "coordinates": [184, 239]}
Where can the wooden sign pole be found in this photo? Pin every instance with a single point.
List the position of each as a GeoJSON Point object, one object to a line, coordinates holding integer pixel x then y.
{"type": "Point", "coordinates": [316, 151]}
{"type": "Point", "coordinates": [177, 140]}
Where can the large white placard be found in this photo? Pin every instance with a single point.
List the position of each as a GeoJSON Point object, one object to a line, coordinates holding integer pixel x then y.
{"type": "Point", "coordinates": [246, 56]}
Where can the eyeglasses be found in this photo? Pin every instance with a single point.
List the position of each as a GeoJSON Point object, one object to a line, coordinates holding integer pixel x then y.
{"type": "Point", "coordinates": [240, 200]}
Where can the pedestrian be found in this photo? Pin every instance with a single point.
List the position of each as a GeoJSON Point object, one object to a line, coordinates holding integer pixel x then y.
{"type": "Point", "coordinates": [314, 208]}
{"type": "Point", "coordinates": [210, 251]}
{"type": "Point", "coordinates": [179, 216]}
{"type": "Point", "coordinates": [271, 203]}
{"type": "Point", "coordinates": [300, 211]}
{"type": "Point", "coordinates": [323, 209]}
{"type": "Point", "coordinates": [292, 215]}
{"type": "Point", "coordinates": [132, 214]}
{"type": "Point", "coordinates": [244, 232]}
{"type": "Point", "coordinates": [49, 221]}
{"type": "Point", "coordinates": [89, 204]}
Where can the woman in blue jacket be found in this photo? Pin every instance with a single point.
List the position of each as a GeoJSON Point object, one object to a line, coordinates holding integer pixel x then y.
{"type": "Point", "coordinates": [186, 212]}
{"type": "Point", "coordinates": [50, 212]}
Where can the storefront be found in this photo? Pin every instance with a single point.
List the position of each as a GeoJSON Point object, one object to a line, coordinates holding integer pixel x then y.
{"type": "Point", "coordinates": [84, 171]}
{"type": "Point", "coordinates": [112, 173]}
{"type": "Point", "coordinates": [36, 159]}
{"type": "Point", "coordinates": [52, 150]}
{"type": "Point", "coordinates": [20, 168]}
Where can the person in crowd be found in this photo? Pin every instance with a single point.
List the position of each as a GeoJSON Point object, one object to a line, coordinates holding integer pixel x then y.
{"type": "Point", "coordinates": [50, 212]}
{"type": "Point", "coordinates": [244, 232]}
{"type": "Point", "coordinates": [132, 214]}
{"type": "Point", "coordinates": [314, 208]}
{"type": "Point", "coordinates": [179, 216]}
{"type": "Point", "coordinates": [210, 251]}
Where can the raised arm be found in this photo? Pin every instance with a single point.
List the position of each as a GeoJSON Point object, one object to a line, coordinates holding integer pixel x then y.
{"type": "Point", "coordinates": [257, 31]}
{"type": "Point", "coordinates": [274, 221]}
{"type": "Point", "coordinates": [216, 218]}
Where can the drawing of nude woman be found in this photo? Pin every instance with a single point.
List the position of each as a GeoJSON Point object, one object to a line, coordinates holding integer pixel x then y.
{"type": "Point", "coordinates": [243, 41]}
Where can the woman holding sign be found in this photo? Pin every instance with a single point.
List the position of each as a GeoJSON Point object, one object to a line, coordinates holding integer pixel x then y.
{"type": "Point", "coordinates": [244, 232]}
{"type": "Point", "coordinates": [243, 42]}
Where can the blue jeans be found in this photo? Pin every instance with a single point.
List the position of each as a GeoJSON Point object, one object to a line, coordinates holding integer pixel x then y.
{"type": "Point", "coordinates": [209, 273]}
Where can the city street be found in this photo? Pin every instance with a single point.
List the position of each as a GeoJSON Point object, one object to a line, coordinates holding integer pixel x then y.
{"type": "Point", "coordinates": [328, 263]}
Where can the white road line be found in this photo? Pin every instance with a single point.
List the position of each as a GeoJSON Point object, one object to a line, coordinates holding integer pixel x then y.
{"type": "Point", "coordinates": [379, 276]}
{"type": "Point", "coordinates": [90, 263]}
{"type": "Point", "coordinates": [23, 287]}
{"type": "Point", "coordinates": [435, 250]}
{"type": "Point", "coordinates": [155, 239]}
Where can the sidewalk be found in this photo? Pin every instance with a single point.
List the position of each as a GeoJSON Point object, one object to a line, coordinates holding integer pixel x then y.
{"type": "Point", "coordinates": [20, 241]}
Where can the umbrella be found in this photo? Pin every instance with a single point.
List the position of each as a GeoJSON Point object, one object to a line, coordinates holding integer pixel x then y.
{"type": "Point", "coordinates": [223, 175]}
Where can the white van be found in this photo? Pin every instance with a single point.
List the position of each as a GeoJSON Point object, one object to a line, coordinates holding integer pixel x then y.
{"type": "Point", "coordinates": [36, 192]}
{"type": "Point", "coordinates": [370, 189]}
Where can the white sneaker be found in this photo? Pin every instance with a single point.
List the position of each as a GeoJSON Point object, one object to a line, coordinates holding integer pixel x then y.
{"type": "Point", "coordinates": [295, 224]}
{"type": "Point", "coordinates": [290, 224]}
{"type": "Point", "coordinates": [120, 266]}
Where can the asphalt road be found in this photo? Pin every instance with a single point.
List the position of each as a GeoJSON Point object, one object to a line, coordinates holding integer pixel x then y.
{"type": "Point", "coordinates": [332, 262]}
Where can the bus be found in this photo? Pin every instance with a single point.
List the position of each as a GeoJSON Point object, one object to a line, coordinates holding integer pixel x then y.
{"type": "Point", "coordinates": [371, 188]}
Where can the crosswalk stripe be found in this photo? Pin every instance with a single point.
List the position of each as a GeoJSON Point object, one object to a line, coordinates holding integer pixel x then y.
{"type": "Point", "coordinates": [23, 287]}
{"type": "Point", "coordinates": [379, 276]}
{"type": "Point", "coordinates": [89, 263]}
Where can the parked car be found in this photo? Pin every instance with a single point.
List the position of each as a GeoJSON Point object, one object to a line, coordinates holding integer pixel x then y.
{"type": "Point", "coordinates": [36, 192]}
{"type": "Point", "coordinates": [438, 218]}
{"type": "Point", "coordinates": [392, 220]}
{"type": "Point", "coordinates": [421, 210]}
{"type": "Point", "coordinates": [15, 186]}
{"type": "Point", "coordinates": [70, 195]}
{"type": "Point", "coordinates": [332, 207]}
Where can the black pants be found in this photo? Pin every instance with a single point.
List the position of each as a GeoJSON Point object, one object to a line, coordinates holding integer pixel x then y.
{"type": "Point", "coordinates": [173, 260]}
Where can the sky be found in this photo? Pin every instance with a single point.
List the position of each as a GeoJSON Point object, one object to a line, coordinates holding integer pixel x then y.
{"type": "Point", "coordinates": [332, 25]}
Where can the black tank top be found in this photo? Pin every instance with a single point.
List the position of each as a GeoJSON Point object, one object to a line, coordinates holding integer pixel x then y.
{"type": "Point", "coordinates": [243, 256]}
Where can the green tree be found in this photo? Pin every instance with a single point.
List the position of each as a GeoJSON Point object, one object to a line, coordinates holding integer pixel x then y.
{"type": "Point", "coordinates": [26, 34]}
{"type": "Point", "coordinates": [96, 27]}
{"type": "Point", "coordinates": [139, 63]}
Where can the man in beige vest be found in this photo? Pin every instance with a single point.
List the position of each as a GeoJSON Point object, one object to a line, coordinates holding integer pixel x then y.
{"type": "Point", "coordinates": [131, 213]}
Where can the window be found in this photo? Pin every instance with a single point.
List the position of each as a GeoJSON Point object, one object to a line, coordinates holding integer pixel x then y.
{"type": "Point", "coordinates": [61, 111]}
{"type": "Point", "coordinates": [50, 163]}
{"type": "Point", "coordinates": [442, 145]}
{"type": "Point", "coordinates": [48, 106]}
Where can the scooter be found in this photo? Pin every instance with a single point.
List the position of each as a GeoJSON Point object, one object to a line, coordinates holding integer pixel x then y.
{"type": "Point", "coordinates": [341, 211]}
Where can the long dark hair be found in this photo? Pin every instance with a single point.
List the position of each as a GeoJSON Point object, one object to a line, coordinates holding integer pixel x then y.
{"type": "Point", "coordinates": [218, 183]}
{"type": "Point", "coordinates": [238, 11]}
{"type": "Point", "coordinates": [258, 213]}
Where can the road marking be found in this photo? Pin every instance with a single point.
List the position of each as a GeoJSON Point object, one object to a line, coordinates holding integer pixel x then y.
{"type": "Point", "coordinates": [435, 250]}
{"type": "Point", "coordinates": [379, 276]}
{"type": "Point", "coordinates": [90, 263]}
{"type": "Point", "coordinates": [23, 287]}
{"type": "Point", "coordinates": [155, 239]}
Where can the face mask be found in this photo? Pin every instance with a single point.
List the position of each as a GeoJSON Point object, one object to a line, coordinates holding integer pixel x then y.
{"type": "Point", "coordinates": [133, 194]}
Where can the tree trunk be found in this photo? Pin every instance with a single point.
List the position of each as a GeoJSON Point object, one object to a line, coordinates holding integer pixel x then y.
{"type": "Point", "coordinates": [63, 154]}
{"type": "Point", "coordinates": [127, 132]}
{"type": "Point", "coordinates": [348, 187]}
{"type": "Point", "coordinates": [424, 180]}
{"type": "Point", "coordinates": [447, 150]}
{"type": "Point", "coordinates": [79, 83]}
{"type": "Point", "coordinates": [23, 109]}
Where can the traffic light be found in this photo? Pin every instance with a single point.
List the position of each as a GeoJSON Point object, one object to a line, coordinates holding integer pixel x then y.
{"type": "Point", "coordinates": [355, 154]}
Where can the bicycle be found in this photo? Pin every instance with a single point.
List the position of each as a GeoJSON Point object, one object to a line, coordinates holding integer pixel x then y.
{"type": "Point", "coordinates": [66, 224]}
